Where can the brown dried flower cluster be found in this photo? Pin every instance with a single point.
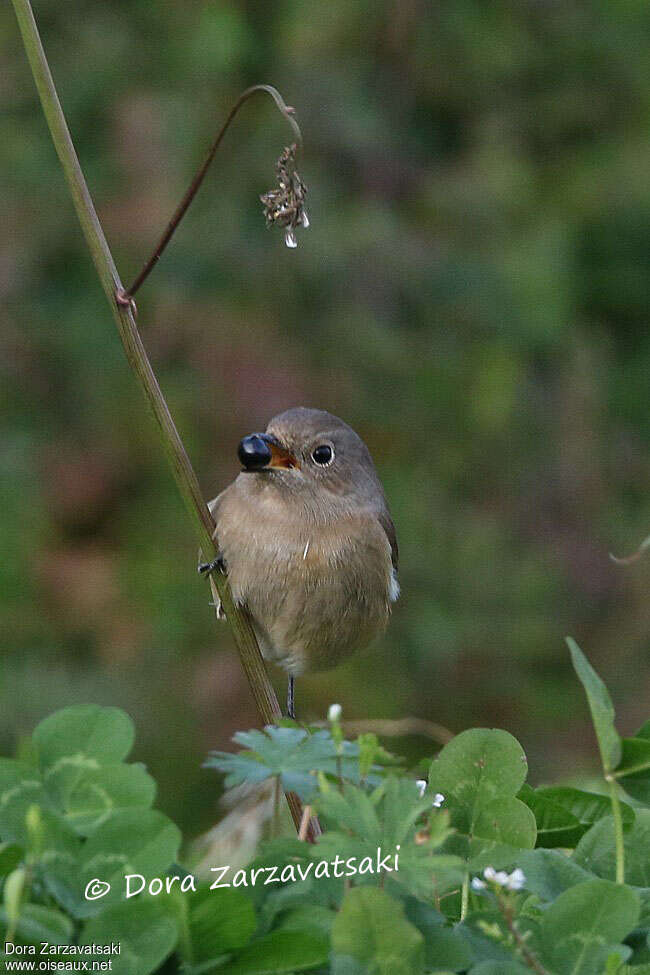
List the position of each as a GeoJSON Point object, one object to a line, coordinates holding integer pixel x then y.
{"type": "Point", "coordinates": [284, 204]}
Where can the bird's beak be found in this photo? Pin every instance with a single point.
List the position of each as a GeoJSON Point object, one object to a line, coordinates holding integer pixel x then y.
{"type": "Point", "coordinates": [260, 451]}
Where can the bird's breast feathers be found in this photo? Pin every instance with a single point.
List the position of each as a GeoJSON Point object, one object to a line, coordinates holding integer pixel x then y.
{"type": "Point", "coordinates": [316, 592]}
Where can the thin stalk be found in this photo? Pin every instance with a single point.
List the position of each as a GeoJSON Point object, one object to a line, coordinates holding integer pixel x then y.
{"type": "Point", "coordinates": [618, 830]}
{"type": "Point", "coordinates": [464, 897]}
{"type": "Point", "coordinates": [526, 954]}
{"type": "Point", "coordinates": [630, 770]}
{"type": "Point", "coordinates": [186, 480]}
{"type": "Point", "coordinates": [193, 188]}
{"type": "Point", "coordinates": [275, 825]}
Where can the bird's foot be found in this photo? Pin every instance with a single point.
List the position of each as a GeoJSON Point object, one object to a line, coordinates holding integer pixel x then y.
{"type": "Point", "coordinates": [291, 708]}
{"type": "Point", "coordinates": [205, 568]}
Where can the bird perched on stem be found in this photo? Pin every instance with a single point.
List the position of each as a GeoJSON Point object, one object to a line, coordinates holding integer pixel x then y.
{"type": "Point", "coordinates": [307, 540]}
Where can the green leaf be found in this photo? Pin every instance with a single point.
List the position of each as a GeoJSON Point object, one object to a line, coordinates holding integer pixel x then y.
{"type": "Point", "coordinates": [214, 923]}
{"type": "Point", "coordinates": [644, 731]}
{"type": "Point", "coordinates": [633, 772]}
{"type": "Point", "coordinates": [308, 917]}
{"type": "Point", "coordinates": [291, 753]}
{"type": "Point", "coordinates": [499, 968]}
{"type": "Point", "coordinates": [280, 952]}
{"type": "Point", "coordinates": [584, 925]}
{"type": "Point", "coordinates": [372, 931]}
{"type": "Point", "coordinates": [596, 850]}
{"type": "Point", "coordinates": [352, 811]}
{"type": "Point", "coordinates": [556, 826]}
{"type": "Point", "coordinates": [82, 732]}
{"type": "Point", "coordinates": [20, 787]}
{"type": "Point", "coordinates": [37, 924]}
{"type": "Point", "coordinates": [135, 842]}
{"type": "Point", "coordinates": [10, 856]}
{"type": "Point", "coordinates": [549, 873]}
{"type": "Point", "coordinates": [474, 767]}
{"type": "Point", "coordinates": [445, 948]}
{"type": "Point", "coordinates": [87, 796]}
{"type": "Point", "coordinates": [507, 820]}
{"type": "Point", "coordinates": [587, 807]}
{"type": "Point", "coordinates": [483, 931]}
{"type": "Point", "coordinates": [383, 821]}
{"type": "Point", "coordinates": [601, 707]}
{"type": "Point", "coordinates": [146, 931]}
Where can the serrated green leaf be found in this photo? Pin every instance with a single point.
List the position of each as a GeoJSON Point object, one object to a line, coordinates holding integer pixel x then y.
{"type": "Point", "coordinates": [83, 732]}
{"type": "Point", "coordinates": [352, 810]}
{"type": "Point", "coordinates": [145, 930]}
{"type": "Point", "coordinates": [383, 821]}
{"type": "Point", "coordinates": [371, 929]}
{"type": "Point", "coordinates": [290, 753]}
{"type": "Point", "coordinates": [601, 707]}
{"type": "Point", "coordinates": [584, 925]}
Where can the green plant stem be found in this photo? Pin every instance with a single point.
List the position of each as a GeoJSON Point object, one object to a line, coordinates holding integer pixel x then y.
{"type": "Point", "coordinates": [525, 953]}
{"type": "Point", "coordinates": [618, 830]}
{"type": "Point", "coordinates": [186, 480]}
{"type": "Point", "coordinates": [194, 186]}
{"type": "Point", "coordinates": [630, 770]}
{"type": "Point", "coordinates": [275, 829]}
{"type": "Point", "coordinates": [464, 897]}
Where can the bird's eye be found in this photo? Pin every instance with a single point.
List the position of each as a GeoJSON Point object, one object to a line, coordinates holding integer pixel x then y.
{"type": "Point", "coordinates": [322, 455]}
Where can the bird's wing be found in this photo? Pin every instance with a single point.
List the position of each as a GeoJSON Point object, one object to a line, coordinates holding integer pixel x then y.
{"type": "Point", "coordinates": [386, 523]}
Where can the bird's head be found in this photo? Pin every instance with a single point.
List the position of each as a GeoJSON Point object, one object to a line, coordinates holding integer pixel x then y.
{"type": "Point", "coordinates": [304, 449]}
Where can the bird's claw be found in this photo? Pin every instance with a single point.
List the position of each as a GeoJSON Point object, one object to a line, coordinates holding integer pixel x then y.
{"type": "Point", "coordinates": [205, 568]}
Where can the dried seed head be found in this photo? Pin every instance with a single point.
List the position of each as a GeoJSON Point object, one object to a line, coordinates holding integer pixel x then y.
{"type": "Point", "coordinates": [284, 204]}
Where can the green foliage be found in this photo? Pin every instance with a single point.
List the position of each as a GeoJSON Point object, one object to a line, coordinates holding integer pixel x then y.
{"type": "Point", "coordinates": [476, 280]}
{"type": "Point", "coordinates": [371, 936]}
{"type": "Point", "coordinates": [495, 878]}
{"type": "Point", "coordinates": [582, 928]}
{"type": "Point", "coordinates": [601, 707]}
{"type": "Point", "coordinates": [293, 754]}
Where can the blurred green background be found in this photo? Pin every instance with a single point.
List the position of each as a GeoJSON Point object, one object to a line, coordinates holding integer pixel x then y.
{"type": "Point", "coordinates": [473, 297]}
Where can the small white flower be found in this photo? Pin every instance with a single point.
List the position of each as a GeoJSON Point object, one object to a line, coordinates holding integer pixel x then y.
{"type": "Point", "coordinates": [335, 710]}
{"type": "Point", "coordinates": [516, 880]}
{"type": "Point", "coordinates": [512, 881]}
{"type": "Point", "coordinates": [422, 786]}
{"type": "Point", "coordinates": [438, 800]}
{"type": "Point", "coordinates": [305, 219]}
{"type": "Point", "coordinates": [478, 884]}
{"type": "Point", "coordinates": [290, 238]}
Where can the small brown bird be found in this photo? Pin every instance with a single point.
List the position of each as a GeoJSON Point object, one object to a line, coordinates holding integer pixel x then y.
{"type": "Point", "coordinates": [308, 542]}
